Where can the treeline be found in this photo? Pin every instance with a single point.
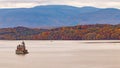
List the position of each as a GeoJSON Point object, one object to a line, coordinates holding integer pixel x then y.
{"type": "Point", "coordinates": [79, 32]}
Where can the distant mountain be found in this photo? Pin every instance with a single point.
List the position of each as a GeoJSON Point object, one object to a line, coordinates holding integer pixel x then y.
{"type": "Point", "coordinates": [57, 15]}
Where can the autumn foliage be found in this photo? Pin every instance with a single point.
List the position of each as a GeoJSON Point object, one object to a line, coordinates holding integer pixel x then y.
{"type": "Point", "coordinates": [79, 32]}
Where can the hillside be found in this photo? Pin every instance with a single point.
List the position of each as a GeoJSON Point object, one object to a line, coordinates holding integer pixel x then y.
{"type": "Point", "coordinates": [57, 15]}
{"type": "Point", "coordinates": [79, 32]}
{"type": "Point", "coordinates": [18, 32]}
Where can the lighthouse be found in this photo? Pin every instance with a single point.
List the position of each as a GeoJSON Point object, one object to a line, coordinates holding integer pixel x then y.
{"type": "Point", "coordinates": [21, 49]}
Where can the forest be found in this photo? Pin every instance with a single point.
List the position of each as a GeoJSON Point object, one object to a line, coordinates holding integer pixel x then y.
{"type": "Point", "coordinates": [78, 32]}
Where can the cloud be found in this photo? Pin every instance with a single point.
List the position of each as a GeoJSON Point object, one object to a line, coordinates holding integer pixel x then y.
{"type": "Point", "coordinates": [78, 3]}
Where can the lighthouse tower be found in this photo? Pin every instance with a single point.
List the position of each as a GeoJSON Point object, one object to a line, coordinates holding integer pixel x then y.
{"type": "Point", "coordinates": [21, 49]}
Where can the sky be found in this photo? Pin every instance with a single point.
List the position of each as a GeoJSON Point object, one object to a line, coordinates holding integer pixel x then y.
{"type": "Point", "coordinates": [77, 3]}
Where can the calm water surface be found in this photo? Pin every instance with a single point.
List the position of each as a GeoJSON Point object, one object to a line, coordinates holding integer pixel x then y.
{"type": "Point", "coordinates": [61, 54]}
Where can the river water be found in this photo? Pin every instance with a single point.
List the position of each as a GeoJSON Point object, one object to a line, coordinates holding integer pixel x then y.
{"type": "Point", "coordinates": [61, 54]}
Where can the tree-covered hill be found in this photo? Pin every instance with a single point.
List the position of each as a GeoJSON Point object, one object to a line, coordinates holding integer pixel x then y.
{"type": "Point", "coordinates": [79, 32]}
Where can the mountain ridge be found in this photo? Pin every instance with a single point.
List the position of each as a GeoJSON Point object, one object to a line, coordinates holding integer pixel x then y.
{"type": "Point", "coordinates": [57, 15]}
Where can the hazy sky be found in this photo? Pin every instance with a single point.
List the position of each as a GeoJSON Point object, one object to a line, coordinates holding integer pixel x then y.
{"type": "Point", "coordinates": [78, 3]}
